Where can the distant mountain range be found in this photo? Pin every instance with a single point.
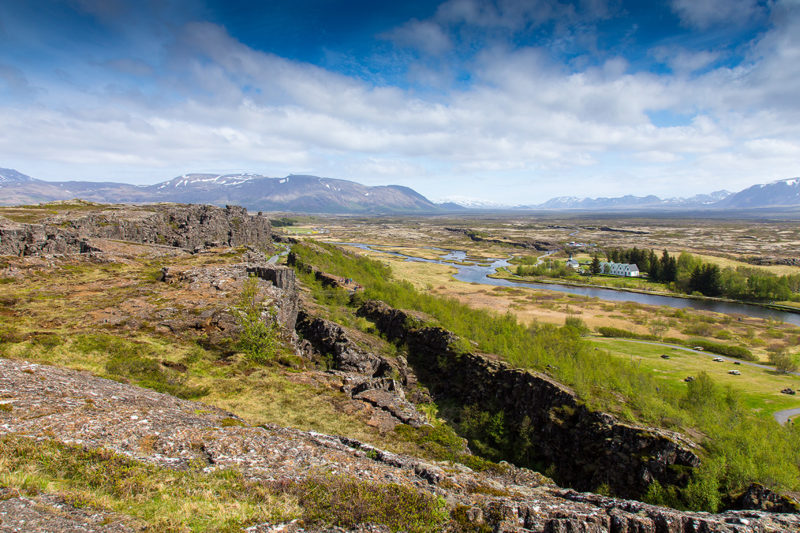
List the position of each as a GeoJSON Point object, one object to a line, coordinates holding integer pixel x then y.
{"type": "Point", "coordinates": [304, 194]}
{"type": "Point", "coordinates": [312, 194]}
{"type": "Point", "coordinates": [634, 202]}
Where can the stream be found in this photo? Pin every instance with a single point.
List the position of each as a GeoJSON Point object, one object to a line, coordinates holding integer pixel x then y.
{"type": "Point", "coordinates": [478, 271]}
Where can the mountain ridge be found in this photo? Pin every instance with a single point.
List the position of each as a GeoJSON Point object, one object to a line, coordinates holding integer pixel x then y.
{"type": "Point", "coordinates": [314, 194]}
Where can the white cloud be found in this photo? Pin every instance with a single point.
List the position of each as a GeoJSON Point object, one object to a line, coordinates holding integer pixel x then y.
{"type": "Point", "coordinates": [424, 35]}
{"type": "Point", "coordinates": [682, 61]}
{"type": "Point", "coordinates": [524, 119]}
{"type": "Point", "coordinates": [706, 13]}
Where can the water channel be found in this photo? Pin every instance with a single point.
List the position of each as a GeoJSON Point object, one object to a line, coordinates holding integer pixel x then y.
{"type": "Point", "coordinates": [478, 271]}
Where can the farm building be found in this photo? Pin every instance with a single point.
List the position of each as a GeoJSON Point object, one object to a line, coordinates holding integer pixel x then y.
{"type": "Point", "coordinates": [619, 269]}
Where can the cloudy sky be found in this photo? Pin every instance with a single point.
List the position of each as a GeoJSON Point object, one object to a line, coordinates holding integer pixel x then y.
{"type": "Point", "coordinates": [508, 100]}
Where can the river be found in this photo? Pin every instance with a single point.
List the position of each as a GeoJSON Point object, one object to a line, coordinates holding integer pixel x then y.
{"type": "Point", "coordinates": [478, 271]}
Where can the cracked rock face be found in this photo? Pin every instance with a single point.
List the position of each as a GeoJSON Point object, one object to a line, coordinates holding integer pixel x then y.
{"type": "Point", "coordinates": [587, 448]}
{"type": "Point", "coordinates": [366, 376]}
{"type": "Point", "coordinates": [226, 279]}
{"type": "Point", "coordinates": [183, 226]}
{"type": "Point", "coordinates": [75, 407]}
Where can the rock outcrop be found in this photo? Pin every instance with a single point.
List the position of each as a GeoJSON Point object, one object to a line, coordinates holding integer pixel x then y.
{"type": "Point", "coordinates": [584, 448]}
{"type": "Point", "coordinates": [190, 227]}
{"type": "Point", "coordinates": [369, 377]}
{"type": "Point", "coordinates": [45, 402]}
{"type": "Point", "coordinates": [278, 292]}
{"type": "Point", "coordinates": [39, 239]}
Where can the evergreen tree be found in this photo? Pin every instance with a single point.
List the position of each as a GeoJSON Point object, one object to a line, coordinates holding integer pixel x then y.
{"type": "Point", "coordinates": [654, 267]}
{"type": "Point", "coordinates": [706, 279]}
{"type": "Point", "coordinates": [595, 265]}
{"type": "Point", "coordinates": [669, 267]}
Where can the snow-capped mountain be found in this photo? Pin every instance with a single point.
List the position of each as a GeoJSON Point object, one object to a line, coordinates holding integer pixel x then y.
{"type": "Point", "coordinates": [780, 193]}
{"type": "Point", "coordinates": [310, 194]}
{"type": "Point", "coordinates": [633, 202]}
{"type": "Point", "coordinates": [313, 194]}
{"type": "Point", "coordinates": [9, 176]}
{"type": "Point", "coordinates": [207, 181]}
{"type": "Point", "coordinates": [474, 203]}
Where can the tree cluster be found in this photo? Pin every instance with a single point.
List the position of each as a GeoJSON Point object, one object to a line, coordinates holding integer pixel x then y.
{"type": "Point", "coordinates": [658, 269]}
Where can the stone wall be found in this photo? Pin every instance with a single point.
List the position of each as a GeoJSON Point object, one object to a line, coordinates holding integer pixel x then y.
{"type": "Point", "coordinates": [583, 448]}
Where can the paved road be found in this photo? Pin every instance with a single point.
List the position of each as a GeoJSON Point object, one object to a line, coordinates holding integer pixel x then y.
{"type": "Point", "coordinates": [274, 259]}
{"type": "Point", "coordinates": [783, 416]}
{"type": "Point", "coordinates": [780, 416]}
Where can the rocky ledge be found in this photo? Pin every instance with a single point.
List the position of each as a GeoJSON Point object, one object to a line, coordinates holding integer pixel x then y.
{"type": "Point", "coordinates": [44, 402]}
{"type": "Point", "coordinates": [184, 226]}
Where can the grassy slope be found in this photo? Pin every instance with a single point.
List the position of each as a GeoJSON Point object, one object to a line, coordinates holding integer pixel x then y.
{"type": "Point", "coordinates": [759, 388]}
{"type": "Point", "coordinates": [740, 447]}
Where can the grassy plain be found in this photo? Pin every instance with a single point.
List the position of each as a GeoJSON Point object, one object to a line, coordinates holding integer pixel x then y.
{"type": "Point", "coordinates": [759, 388]}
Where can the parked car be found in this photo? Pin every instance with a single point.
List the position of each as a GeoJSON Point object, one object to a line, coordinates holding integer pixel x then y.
{"type": "Point", "coordinates": [718, 359]}
{"type": "Point", "coordinates": [734, 372]}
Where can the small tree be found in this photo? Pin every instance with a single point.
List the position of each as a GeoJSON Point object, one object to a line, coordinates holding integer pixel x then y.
{"type": "Point", "coordinates": [258, 337]}
{"type": "Point", "coordinates": [701, 392]}
{"type": "Point", "coordinates": [783, 362]}
{"type": "Point", "coordinates": [577, 324]}
{"type": "Point", "coordinates": [658, 327]}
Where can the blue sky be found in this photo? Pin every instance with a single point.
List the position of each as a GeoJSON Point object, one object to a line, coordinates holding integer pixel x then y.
{"type": "Point", "coordinates": [503, 101]}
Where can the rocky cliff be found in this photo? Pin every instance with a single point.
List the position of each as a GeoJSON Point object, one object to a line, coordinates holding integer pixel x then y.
{"type": "Point", "coordinates": [583, 448]}
{"type": "Point", "coordinates": [183, 226]}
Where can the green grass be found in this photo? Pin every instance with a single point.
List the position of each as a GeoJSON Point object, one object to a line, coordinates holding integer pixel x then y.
{"type": "Point", "coordinates": [722, 420]}
{"type": "Point", "coordinates": [759, 389]}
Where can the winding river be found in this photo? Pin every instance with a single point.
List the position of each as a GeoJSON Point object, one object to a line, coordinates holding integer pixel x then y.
{"type": "Point", "coordinates": [472, 271]}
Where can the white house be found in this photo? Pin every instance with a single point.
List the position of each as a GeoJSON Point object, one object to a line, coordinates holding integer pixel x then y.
{"type": "Point", "coordinates": [572, 263]}
{"type": "Point", "coordinates": [619, 269]}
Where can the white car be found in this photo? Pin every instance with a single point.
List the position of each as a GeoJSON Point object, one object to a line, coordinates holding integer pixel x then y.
{"type": "Point", "coordinates": [734, 372]}
{"type": "Point", "coordinates": [718, 359]}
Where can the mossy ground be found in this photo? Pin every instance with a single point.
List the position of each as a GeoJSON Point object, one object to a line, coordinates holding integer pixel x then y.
{"type": "Point", "coordinates": [163, 499]}
{"type": "Point", "coordinates": [101, 316]}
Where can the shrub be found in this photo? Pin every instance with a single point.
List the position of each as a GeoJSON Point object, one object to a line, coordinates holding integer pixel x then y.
{"type": "Point", "coordinates": [731, 350]}
{"type": "Point", "coordinates": [723, 334]}
{"type": "Point", "coordinates": [608, 331]}
{"type": "Point", "coordinates": [258, 337]}
{"type": "Point", "coordinates": [577, 324]}
{"type": "Point", "coordinates": [699, 328]}
{"type": "Point", "coordinates": [47, 340]}
{"type": "Point", "coordinates": [344, 502]}
{"type": "Point", "coordinates": [783, 362]}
